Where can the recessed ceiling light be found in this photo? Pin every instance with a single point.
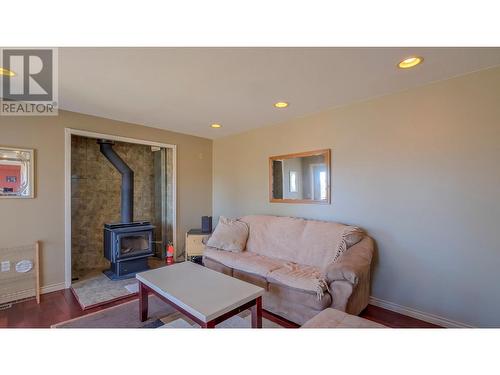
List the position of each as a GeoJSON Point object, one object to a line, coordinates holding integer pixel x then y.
{"type": "Point", "coordinates": [216, 126]}
{"type": "Point", "coordinates": [281, 105]}
{"type": "Point", "coordinates": [6, 72]}
{"type": "Point", "coordinates": [410, 62]}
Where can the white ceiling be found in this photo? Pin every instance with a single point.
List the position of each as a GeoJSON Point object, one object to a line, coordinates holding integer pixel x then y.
{"type": "Point", "coordinates": [187, 89]}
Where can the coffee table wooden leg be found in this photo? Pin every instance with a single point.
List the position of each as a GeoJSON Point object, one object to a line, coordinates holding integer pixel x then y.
{"type": "Point", "coordinates": [257, 313]}
{"type": "Point", "coordinates": [143, 302]}
{"type": "Point", "coordinates": [208, 325]}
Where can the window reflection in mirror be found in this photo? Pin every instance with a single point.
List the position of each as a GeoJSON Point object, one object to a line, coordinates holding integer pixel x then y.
{"type": "Point", "coordinates": [293, 182]}
{"type": "Point", "coordinates": [300, 178]}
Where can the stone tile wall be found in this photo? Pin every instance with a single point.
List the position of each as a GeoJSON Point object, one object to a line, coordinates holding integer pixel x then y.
{"type": "Point", "coordinates": [95, 197]}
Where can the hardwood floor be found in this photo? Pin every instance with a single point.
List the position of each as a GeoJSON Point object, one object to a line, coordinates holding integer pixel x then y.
{"type": "Point", "coordinates": [62, 305]}
{"type": "Point", "coordinates": [53, 308]}
{"type": "Point", "coordinates": [393, 319]}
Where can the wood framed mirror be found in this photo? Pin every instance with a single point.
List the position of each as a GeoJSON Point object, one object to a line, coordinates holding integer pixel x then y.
{"type": "Point", "coordinates": [300, 178]}
{"type": "Point", "coordinates": [16, 173]}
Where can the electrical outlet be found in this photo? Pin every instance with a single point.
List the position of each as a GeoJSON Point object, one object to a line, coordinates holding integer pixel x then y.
{"type": "Point", "coordinates": [5, 266]}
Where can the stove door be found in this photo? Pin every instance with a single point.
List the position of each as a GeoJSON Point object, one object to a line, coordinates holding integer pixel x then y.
{"type": "Point", "coordinates": [134, 244]}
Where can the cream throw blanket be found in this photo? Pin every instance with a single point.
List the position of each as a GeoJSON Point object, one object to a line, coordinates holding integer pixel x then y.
{"type": "Point", "coordinates": [313, 278]}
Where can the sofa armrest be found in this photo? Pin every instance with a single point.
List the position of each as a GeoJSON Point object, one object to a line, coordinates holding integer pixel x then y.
{"type": "Point", "coordinates": [354, 264]}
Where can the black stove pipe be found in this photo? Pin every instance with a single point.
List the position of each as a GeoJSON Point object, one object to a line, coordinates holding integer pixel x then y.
{"type": "Point", "coordinates": [127, 188]}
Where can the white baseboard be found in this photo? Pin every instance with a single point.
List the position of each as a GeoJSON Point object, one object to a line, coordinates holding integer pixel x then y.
{"type": "Point", "coordinates": [426, 317]}
{"type": "Point", "coordinates": [31, 292]}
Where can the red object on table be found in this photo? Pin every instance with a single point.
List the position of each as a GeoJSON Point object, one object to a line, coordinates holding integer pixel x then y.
{"type": "Point", "coordinates": [170, 254]}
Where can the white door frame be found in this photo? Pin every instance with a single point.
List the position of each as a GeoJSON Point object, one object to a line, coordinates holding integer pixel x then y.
{"type": "Point", "coordinates": [68, 132]}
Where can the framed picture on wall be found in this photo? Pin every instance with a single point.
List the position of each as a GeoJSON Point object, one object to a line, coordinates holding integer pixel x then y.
{"type": "Point", "coordinates": [17, 176]}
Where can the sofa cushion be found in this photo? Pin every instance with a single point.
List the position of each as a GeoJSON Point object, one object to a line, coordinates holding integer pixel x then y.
{"type": "Point", "coordinates": [245, 261]}
{"type": "Point", "coordinates": [229, 234]}
{"type": "Point", "coordinates": [307, 242]}
{"type": "Point", "coordinates": [302, 277]}
{"type": "Point", "coordinates": [216, 266]}
{"type": "Point", "coordinates": [251, 278]}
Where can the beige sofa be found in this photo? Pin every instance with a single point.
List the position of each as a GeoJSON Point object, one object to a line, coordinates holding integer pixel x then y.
{"type": "Point", "coordinates": [293, 260]}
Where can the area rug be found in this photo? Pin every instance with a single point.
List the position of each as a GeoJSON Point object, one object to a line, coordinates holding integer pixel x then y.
{"type": "Point", "coordinates": [161, 315]}
{"type": "Point", "coordinates": [237, 321]}
{"type": "Point", "coordinates": [99, 289]}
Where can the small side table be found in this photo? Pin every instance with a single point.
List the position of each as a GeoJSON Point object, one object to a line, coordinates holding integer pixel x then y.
{"type": "Point", "coordinates": [195, 242]}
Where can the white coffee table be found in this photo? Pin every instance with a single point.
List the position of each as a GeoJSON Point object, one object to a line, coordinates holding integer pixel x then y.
{"type": "Point", "coordinates": [205, 296]}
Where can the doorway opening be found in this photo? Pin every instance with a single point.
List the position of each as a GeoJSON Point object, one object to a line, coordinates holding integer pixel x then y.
{"type": "Point", "coordinates": [96, 199]}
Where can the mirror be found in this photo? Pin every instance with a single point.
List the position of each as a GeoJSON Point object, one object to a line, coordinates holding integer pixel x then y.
{"type": "Point", "coordinates": [300, 178]}
{"type": "Point", "coordinates": [16, 173]}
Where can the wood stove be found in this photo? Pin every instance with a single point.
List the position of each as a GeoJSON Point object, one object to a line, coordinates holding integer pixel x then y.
{"type": "Point", "coordinates": [128, 244]}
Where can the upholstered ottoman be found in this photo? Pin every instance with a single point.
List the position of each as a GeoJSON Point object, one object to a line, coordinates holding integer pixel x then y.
{"type": "Point", "coordinates": [332, 318]}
